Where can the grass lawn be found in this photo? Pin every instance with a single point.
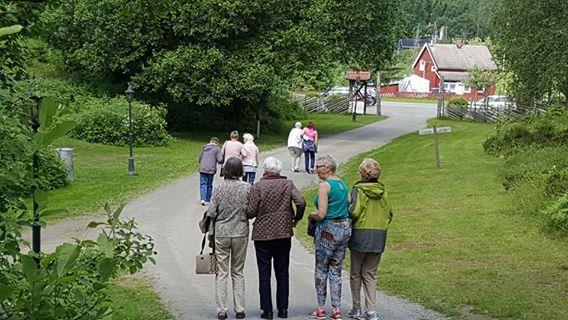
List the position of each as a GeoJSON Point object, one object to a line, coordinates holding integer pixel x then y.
{"type": "Point", "coordinates": [101, 169]}
{"type": "Point", "coordinates": [134, 299]}
{"type": "Point", "coordinates": [417, 100]}
{"type": "Point", "coordinates": [456, 244]}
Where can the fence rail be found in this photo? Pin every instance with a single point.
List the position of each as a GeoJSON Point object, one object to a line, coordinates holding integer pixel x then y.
{"type": "Point", "coordinates": [331, 104]}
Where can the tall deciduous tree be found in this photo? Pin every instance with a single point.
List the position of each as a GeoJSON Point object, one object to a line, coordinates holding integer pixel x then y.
{"type": "Point", "coordinates": [213, 52]}
{"type": "Point", "coordinates": [532, 41]}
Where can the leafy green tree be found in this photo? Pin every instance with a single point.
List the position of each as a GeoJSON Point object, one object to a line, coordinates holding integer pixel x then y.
{"type": "Point", "coordinates": [218, 53]}
{"type": "Point", "coordinates": [532, 41]}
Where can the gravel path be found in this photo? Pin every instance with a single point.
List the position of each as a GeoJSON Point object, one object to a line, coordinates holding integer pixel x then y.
{"type": "Point", "coordinates": [170, 214]}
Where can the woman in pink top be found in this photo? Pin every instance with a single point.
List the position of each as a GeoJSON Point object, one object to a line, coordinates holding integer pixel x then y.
{"type": "Point", "coordinates": [310, 146]}
{"type": "Point", "coordinates": [250, 160]}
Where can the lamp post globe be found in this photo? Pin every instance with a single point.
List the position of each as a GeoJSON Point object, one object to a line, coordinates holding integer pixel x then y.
{"type": "Point", "coordinates": [129, 93]}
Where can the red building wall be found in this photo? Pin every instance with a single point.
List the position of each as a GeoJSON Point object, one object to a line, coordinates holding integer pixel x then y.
{"type": "Point", "coordinates": [427, 74]}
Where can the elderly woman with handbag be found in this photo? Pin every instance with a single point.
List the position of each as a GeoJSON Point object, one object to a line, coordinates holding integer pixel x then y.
{"type": "Point", "coordinates": [333, 229]}
{"type": "Point", "coordinates": [372, 214]}
{"type": "Point", "coordinates": [270, 202]}
{"type": "Point", "coordinates": [231, 230]}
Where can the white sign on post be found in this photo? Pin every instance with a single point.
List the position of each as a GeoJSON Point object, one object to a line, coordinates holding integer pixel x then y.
{"type": "Point", "coordinates": [431, 130]}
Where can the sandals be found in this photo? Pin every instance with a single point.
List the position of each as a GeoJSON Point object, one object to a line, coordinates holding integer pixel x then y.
{"type": "Point", "coordinates": [318, 314]}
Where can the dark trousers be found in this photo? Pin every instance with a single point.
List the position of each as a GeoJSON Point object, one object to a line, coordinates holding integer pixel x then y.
{"type": "Point", "coordinates": [310, 159]}
{"type": "Point", "coordinates": [278, 251]}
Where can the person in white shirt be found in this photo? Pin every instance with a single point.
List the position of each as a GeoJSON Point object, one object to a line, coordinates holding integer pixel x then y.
{"type": "Point", "coordinates": [295, 146]}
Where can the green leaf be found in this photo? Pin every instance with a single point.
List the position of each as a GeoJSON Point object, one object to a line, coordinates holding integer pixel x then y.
{"type": "Point", "coordinates": [10, 30]}
{"type": "Point", "coordinates": [117, 213]}
{"type": "Point", "coordinates": [29, 267]}
{"type": "Point", "coordinates": [53, 133]}
{"type": "Point", "coordinates": [106, 267]}
{"type": "Point", "coordinates": [94, 224]}
{"type": "Point", "coordinates": [47, 110]}
{"type": "Point", "coordinates": [67, 256]}
{"type": "Point", "coordinates": [106, 245]}
{"type": "Point", "coordinates": [5, 292]}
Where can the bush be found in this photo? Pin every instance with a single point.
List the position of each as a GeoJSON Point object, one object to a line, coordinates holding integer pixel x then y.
{"type": "Point", "coordinates": [550, 129]}
{"type": "Point", "coordinates": [52, 171]}
{"type": "Point", "coordinates": [106, 121]}
{"type": "Point", "coordinates": [458, 101]}
{"type": "Point", "coordinates": [557, 212]}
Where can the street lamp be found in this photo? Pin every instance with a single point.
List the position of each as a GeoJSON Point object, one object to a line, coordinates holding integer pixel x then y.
{"type": "Point", "coordinates": [33, 114]}
{"type": "Point", "coordinates": [129, 93]}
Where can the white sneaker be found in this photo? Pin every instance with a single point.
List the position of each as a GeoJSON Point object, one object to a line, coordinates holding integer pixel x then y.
{"type": "Point", "coordinates": [203, 202]}
{"type": "Point", "coordinates": [371, 315]}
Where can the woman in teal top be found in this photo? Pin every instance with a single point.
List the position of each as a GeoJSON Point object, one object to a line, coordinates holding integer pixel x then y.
{"type": "Point", "coordinates": [331, 236]}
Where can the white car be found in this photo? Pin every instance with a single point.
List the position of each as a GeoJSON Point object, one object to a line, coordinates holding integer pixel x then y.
{"type": "Point", "coordinates": [496, 101]}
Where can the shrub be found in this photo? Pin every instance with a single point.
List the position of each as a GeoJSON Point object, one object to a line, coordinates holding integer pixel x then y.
{"type": "Point", "coordinates": [551, 128]}
{"type": "Point", "coordinates": [458, 101]}
{"type": "Point", "coordinates": [106, 121]}
{"type": "Point", "coordinates": [557, 212]}
{"type": "Point", "coordinates": [52, 172]}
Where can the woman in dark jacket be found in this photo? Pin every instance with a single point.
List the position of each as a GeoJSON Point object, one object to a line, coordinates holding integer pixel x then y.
{"type": "Point", "coordinates": [270, 202]}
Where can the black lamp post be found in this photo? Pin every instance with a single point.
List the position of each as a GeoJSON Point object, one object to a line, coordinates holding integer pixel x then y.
{"type": "Point", "coordinates": [129, 97]}
{"type": "Point", "coordinates": [33, 114]}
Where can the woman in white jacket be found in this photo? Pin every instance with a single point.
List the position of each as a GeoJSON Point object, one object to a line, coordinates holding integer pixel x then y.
{"type": "Point", "coordinates": [250, 158]}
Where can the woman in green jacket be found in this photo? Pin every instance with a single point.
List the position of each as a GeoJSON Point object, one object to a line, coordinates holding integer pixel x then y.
{"type": "Point", "coordinates": [371, 213]}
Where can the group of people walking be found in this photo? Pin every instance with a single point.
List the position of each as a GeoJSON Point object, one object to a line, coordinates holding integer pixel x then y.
{"type": "Point", "coordinates": [211, 155]}
{"type": "Point", "coordinates": [303, 141]}
{"type": "Point", "coordinates": [357, 220]}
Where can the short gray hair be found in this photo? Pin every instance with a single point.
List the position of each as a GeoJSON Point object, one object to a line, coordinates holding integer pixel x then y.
{"type": "Point", "coordinates": [234, 134]}
{"type": "Point", "coordinates": [298, 125]}
{"type": "Point", "coordinates": [272, 164]}
{"type": "Point", "coordinates": [327, 161]}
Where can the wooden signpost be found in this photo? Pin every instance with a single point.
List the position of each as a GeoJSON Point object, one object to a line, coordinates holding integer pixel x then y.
{"type": "Point", "coordinates": [435, 130]}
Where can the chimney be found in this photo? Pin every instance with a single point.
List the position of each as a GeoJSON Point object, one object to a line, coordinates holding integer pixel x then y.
{"type": "Point", "coordinates": [459, 42]}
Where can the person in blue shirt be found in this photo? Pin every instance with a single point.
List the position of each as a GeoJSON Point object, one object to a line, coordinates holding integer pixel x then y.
{"type": "Point", "coordinates": [333, 230]}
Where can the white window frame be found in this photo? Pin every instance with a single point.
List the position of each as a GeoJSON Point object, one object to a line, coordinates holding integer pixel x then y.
{"type": "Point", "coordinates": [433, 68]}
{"type": "Point", "coordinates": [422, 65]}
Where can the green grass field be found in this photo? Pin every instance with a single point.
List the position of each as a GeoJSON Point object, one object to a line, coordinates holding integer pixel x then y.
{"type": "Point", "coordinates": [135, 299]}
{"type": "Point", "coordinates": [457, 245]}
{"type": "Point", "coordinates": [101, 170]}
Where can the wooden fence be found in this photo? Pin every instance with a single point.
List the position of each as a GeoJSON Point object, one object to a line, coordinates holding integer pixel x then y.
{"type": "Point", "coordinates": [485, 113]}
{"type": "Point", "coordinates": [331, 104]}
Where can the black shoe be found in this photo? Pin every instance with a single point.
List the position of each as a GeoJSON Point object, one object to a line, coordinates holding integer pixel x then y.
{"type": "Point", "coordinates": [266, 315]}
{"type": "Point", "coordinates": [240, 315]}
{"type": "Point", "coordinates": [283, 314]}
{"type": "Point", "coordinates": [221, 316]}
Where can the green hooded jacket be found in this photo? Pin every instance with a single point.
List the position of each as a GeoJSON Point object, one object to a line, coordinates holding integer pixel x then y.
{"type": "Point", "coordinates": [371, 213]}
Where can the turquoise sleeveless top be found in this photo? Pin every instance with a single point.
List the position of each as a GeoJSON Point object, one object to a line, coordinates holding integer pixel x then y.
{"type": "Point", "coordinates": [338, 202]}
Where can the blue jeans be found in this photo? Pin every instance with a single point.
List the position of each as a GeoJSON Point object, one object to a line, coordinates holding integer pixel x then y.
{"type": "Point", "coordinates": [206, 186]}
{"type": "Point", "coordinates": [310, 157]}
{"type": "Point", "coordinates": [249, 177]}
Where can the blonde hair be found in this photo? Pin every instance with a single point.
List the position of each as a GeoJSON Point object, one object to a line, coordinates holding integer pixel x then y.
{"type": "Point", "coordinates": [369, 169]}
